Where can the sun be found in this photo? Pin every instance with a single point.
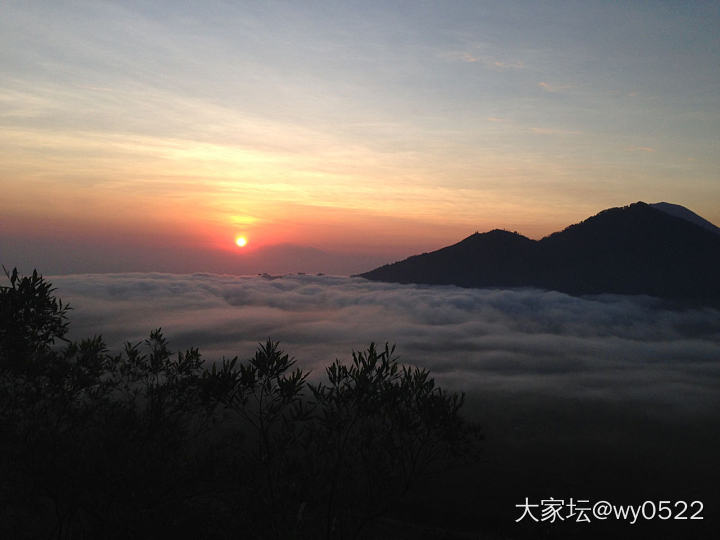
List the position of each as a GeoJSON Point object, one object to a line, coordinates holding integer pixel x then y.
{"type": "Point", "coordinates": [241, 241]}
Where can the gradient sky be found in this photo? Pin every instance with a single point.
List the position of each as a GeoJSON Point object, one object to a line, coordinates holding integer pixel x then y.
{"type": "Point", "coordinates": [148, 135]}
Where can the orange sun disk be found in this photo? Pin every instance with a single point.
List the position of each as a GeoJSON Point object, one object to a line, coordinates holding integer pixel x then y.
{"type": "Point", "coordinates": [241, 241]}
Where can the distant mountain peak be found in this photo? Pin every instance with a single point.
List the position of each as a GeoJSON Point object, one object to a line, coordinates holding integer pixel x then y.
{"type": "Point", "coordinates": [634, 249]}
{"type": "Point", "coordinates": [499, 234]}
{"type": "Point", "coordinates": [686, 214]}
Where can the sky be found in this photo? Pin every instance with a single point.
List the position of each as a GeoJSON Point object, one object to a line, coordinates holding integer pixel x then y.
{"type": "Point", "coordinates": [337, 136]}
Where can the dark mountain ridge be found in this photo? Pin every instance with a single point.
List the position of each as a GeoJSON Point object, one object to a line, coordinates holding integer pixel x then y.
{"type": "Point", "coordinates": [682, 212]}
{"type": "Point", "coordinates": [636, 249]}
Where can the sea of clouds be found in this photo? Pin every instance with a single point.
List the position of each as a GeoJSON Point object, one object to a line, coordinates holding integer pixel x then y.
{"type": "Point", "coordinates": [524, 341]}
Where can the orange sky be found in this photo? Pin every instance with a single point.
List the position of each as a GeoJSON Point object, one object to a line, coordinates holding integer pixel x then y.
{"type": "Point", "coordinates": [376, 131]}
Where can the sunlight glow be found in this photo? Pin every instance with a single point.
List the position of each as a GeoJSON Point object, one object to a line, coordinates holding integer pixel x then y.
{"type": "Point", "coordinates": [241, 241]}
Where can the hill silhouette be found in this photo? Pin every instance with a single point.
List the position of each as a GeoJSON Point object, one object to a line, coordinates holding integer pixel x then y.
{"type": "Point", "coordinates": [682, 212]}
{"type": "Point", "coordinates": [636, 249]}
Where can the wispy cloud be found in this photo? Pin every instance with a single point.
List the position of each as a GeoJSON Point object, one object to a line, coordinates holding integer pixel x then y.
{"type": "Point", "coordinates": [508, 65]}
{"type": "Point", "coordinates": [485, 60]}
{"type": "Point", "coordinates": [548, 87]}
{"type": "Point", "coordinates": [24, 104]}
{"type": "Point", "coordinates": [467, 57]}
{"type": "Point", "coordinates": [648, 149]}
{"type": "Point", "coordinates": [554, 131]}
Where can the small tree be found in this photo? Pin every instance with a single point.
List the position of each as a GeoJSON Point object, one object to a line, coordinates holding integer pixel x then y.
{"type": "Point", "coordinates": [380, 427]}
{"type": "Point", "coordinates": [31, 319]}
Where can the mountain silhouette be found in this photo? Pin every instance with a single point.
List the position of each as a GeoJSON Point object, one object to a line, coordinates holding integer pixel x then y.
{"type": "Point", "coordinates": [682, 212]}
{"type": "Point", "coordinates": [636, 249]}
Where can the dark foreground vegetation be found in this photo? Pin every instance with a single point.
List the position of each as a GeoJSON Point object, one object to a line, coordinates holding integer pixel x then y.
{"type": "Point", "coordinates": [150, 444]}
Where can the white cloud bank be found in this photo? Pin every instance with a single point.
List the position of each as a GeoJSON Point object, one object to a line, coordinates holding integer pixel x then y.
{"type": "Point", "coordinates": [618, 348]}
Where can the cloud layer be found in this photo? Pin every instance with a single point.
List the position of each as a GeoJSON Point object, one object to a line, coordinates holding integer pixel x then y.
{"type": "Point", "coordinates": [482, 341]}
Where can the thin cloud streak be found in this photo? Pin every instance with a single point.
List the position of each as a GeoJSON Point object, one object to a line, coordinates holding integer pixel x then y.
{"type": "Point", "coordinates": [553, 88]}
{"type": "Point", "coordinates": [484, 60]}
{"type": "Point", "coordinates": [554, 131]}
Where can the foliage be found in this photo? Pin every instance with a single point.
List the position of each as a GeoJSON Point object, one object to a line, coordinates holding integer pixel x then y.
{"type": "Point", "coordinates": [147, 443]}
{"type": "Point", "coordinates": [380, 426]}
{"type": "Point", "coordinates": [31, 318]}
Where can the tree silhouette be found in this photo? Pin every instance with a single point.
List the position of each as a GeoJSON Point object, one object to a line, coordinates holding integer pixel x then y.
{"type": "Point", "coordinates": [148, 443]}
